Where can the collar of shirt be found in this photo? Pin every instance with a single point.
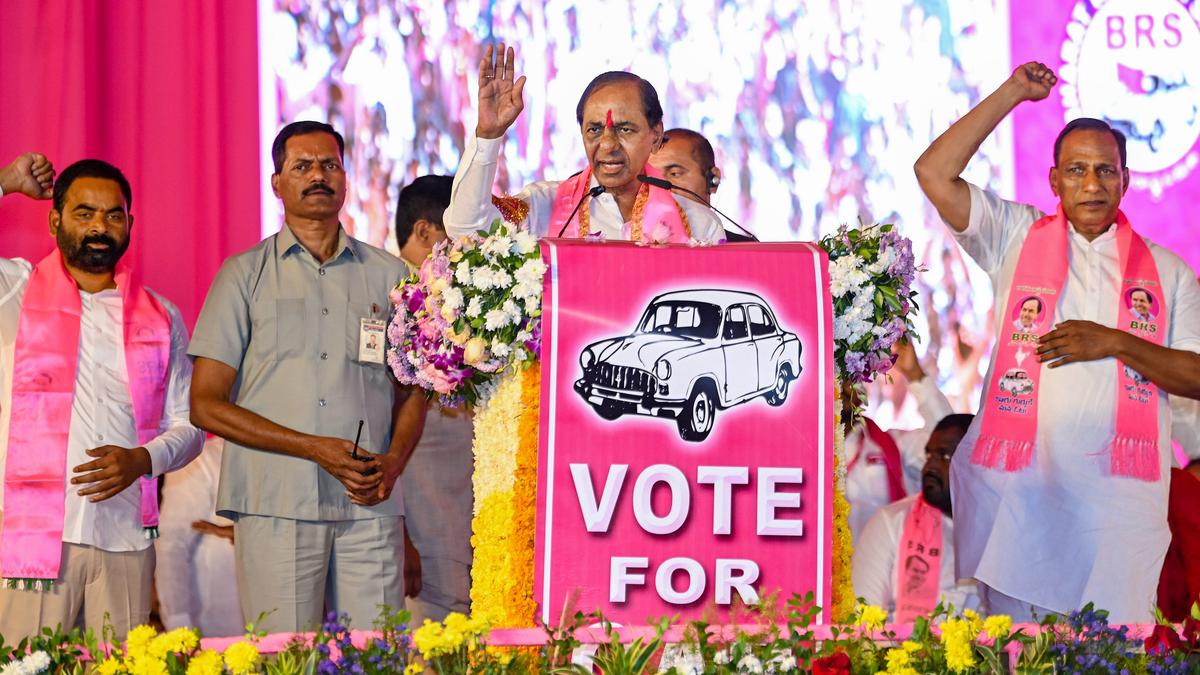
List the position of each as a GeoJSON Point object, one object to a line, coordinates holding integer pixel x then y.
{"type": "Point", "coordinates": [1105, 237]}
{"type": "Point", "coordinates": [287, 244]}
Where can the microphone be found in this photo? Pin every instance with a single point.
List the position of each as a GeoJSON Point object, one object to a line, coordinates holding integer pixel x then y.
{"type": "Point", "coordinates": [590, 193]}
{"type": "Point", "coordinates": [668, 185]}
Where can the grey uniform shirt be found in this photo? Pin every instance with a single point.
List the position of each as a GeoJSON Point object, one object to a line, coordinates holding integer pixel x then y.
{"type": "Point", "coordinates": [290, 326]}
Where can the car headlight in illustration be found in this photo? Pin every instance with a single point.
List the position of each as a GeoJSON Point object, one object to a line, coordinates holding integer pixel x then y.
{"type": "Point", "coordinates": [662, 370]}
{"type": "Point", "coordinates": [586, 359]}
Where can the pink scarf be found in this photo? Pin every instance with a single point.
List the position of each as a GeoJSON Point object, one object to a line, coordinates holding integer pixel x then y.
{"type": "Point", "coordinates": [43, 388]}
{"type": "Point", "coordinates": [662, 217]}
{"type": "Point", "coordinates": [919, 563]}
{"type": "Point", "coordinates": [1009, 430]}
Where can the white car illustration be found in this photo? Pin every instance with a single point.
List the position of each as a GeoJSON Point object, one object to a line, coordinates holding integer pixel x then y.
{"type": "Point", "coordinates": [1016, 382]}
{"type": "Point", "coordinates": [693, 352]}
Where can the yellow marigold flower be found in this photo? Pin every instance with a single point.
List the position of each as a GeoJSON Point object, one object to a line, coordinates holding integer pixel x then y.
{"type": "Point", "coordinates": [110, 666]}
{"type": "Point", "coordinates": [241, 658]}
{"type": "Point", "coordinates": [972, 617]}
{"type": "Point", "coordinates": [456, 621]}
{"type": "Point", "coordinates": [872, 617]}
{"type": "Point", "coordinates": [910, 646]}
{"type": "Point", "coordinates": [428, 638]}
{"type": "Point", "coordinates": [897, 659]}
{"type": "Point", "coordinates": [139, 638]}
{"type": "Point", "coordinates": [148, 666]}
{"type": "Point", "coordinates": [956, 638]}
{"type": "Point", "coordinates": [998, 626]}
{"type": "Point", "coordinates": [414, 669]}
{"type": "Point", "coordinates": [207, 662]}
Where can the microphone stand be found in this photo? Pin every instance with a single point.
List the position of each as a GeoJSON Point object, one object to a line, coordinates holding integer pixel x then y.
{"type": "Point", "coordinates": [590, 193]}
{"type": "Point", "coordinates": [668, 185]}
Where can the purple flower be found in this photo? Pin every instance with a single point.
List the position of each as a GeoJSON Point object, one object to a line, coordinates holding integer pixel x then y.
{"type": "Point", "coordinates": [856, 363]}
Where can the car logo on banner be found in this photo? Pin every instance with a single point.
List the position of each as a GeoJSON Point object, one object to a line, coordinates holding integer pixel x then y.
{"type": "Point", "coordinates": [692, 353]}
{"type": "Point", "coordinates": [1136, 65]}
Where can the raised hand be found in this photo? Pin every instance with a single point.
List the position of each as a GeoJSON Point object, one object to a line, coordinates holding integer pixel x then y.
{"type": "Point", "coordinates": [1033, 80]}
{"type": "Point", "coordinates": [500, 101]}
{"type": "Point", "coordinates": [30, 174]}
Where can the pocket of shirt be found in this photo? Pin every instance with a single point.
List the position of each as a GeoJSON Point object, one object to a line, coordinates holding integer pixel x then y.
{"type": "Point", "coordinates": [356, 312]}
{"type": "Point", "coordinates": [278, 328]}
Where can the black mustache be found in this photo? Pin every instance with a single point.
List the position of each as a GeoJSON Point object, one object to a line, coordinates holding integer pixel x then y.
{"type": "Point", "coordinates": [320, 187]}
{"type": "Point", "coordinates": [98, 239]}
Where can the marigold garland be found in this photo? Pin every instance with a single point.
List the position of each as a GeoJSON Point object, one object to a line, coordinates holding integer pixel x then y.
{"type": "Point", "coordinates": [505, 481]}
{"type": "Point", "coordinates": [843, 545]}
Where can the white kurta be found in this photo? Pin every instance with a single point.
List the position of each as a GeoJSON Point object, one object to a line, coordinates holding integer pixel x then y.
{"type": "Point", "coordinates": [102, 411]}
{"type": "Point", "coordinates": [876, 570]}
{"type": "Point", "coordinates": [471, 206]}
{"type": "Point", "coordinates": [866, 477]}
{"type": "Point", "coordinates": [1064, 531]}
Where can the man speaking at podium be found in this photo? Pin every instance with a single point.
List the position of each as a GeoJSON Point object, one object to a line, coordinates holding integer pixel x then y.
{"type": "Point", "coordinates": [620, 118]}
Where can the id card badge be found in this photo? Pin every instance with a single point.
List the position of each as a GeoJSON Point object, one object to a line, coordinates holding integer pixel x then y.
{"type": "Point", "coordinates": [372, 340]}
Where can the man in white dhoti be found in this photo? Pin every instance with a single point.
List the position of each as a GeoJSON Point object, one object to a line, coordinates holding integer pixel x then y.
{"type": "Point", "coordinates": [1060, 486]}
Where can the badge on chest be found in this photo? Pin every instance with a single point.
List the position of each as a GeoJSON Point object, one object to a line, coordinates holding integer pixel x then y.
{"type": "Point", "coordinates": [372, 340]}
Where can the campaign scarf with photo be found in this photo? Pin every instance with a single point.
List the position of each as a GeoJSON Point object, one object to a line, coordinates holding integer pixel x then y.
{"type": "Point", "coordinates": [43, 388]}
{"type": "Point", "coordinates": [919, 562]}
{"type": "Point", "coordinates": [657, 217]}
{"type": "Point", "coordinates": [1010, 421]}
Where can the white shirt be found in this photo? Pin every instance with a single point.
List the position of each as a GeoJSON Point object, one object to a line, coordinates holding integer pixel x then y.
{"type": "Point", "coordinates": [875, 569]}
{"type": "Point", "coordinates": [1064, 531]}
{"type": "Point", "coordinates": [102, 411]}
{"type": "Point", "coordinates": [195, 573]}
{"type": "Point", "coordinates": [866, 475]}
{"type": "Point", "coordinates": [471, 207]}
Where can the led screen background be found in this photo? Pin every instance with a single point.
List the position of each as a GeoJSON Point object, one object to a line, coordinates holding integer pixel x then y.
{"type": "Point", "coordinates": [817, 111]}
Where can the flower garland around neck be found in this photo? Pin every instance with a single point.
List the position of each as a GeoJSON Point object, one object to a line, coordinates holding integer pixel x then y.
{"type": "Point", "coordinates": [639, 206]}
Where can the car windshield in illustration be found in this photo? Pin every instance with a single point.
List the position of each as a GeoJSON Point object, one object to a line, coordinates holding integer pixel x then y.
{"type": "Point", "coordinates": [693, 353]}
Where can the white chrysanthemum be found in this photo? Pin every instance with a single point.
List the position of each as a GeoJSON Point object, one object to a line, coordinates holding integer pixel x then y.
{"type": "Point", "coordinates": [495, 319]}
{"type": "Point", "coordinates": [524, 243]}
{"type": "Point", "coordinates": [462, 272]}
{"type": "Point", "coordinates": [514, 313]}
{"type": "Point", "coordinates": [475, 307]}
{"type": "Point", "coordinates": [36, 662]}
{"type": "Point", "coordinates": [750, 664]}
{"type": "Point", "coordinates": [13, 668]}
{"type": "Point", "coordinates": [453, 298]}
{"type": "Point", "coordinates": [501, 278]}
{"type": "Point", "coordinates": [497, 246]}
{"type": "Point", "coordinates": [500, 349]}
{"type": "Point", "coordinates": [481, 278]}
{"type": "Point", "coordinates": [722, 657]}
{"type": "Point", "coordinates": [783, 662]}
{"type": "Point", "coordinates": [681, 660]}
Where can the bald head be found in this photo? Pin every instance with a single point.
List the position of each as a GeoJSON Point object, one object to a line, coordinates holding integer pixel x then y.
{"type": "Point", "coordinates": [686, 158]}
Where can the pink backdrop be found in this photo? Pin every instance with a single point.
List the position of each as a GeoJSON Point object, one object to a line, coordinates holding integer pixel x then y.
{"type": "Point", "coordinates": [590, 298]}
{"type": "Point", "coordinates": [1088, 70]}
{"type": "Point", "coordinates": [166, 91]}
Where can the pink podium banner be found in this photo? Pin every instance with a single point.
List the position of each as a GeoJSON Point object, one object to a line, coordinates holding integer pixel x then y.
{"type": "Point", "coordinates": [686, 437]}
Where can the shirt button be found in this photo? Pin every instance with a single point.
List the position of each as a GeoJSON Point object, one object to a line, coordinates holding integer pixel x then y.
{"type": "Point", "coordinates": [321, 271]}
{"type": "Point", "coordinates": [324, 356]}
{"type": "Point", "coordinates": [324, 311]}
{"type": "Point", "coordinates": [321, 403]}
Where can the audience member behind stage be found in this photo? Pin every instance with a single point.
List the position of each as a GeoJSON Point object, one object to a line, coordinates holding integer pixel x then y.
{"type": "Point", "coordinates": [1067, 528]}
{"type": "Point", "coordinates": [620, 119]}
{"type": "Point", "coordinates": [318, 525]}
{"type": "Point", "coordinates": [883, 565]}
{"type": "Point", "coordinates": [103, 576]}
{"type": "Point", "coordinates": [884, 466]}
{"type": "Point", "coordinates": [437, 480]}
{"type": "Point", "coordinates": [195, 573]}
{"type": "Point", "coordinates": [686, 158]}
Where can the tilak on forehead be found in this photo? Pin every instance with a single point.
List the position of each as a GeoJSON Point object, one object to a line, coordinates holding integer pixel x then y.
{"type": "Point", "coordinates": [608, 123]}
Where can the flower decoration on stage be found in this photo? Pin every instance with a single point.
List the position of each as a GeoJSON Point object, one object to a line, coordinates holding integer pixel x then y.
{"type": "Point", "coordinates": [471, 311]}
{"type": "Point", "coordinates": [871, 272]}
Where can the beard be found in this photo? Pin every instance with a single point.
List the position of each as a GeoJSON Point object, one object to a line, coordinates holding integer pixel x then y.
{"type": "Point", "coordinates": [936, 492]}
{"type": "Point", "coordinates": [80, 255]}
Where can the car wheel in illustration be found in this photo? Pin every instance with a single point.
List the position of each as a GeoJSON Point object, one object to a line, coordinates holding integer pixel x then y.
{"type": "Point", "coordinates": [695, 421]}
{"type": "Point", "coordinates": [783, 379]}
